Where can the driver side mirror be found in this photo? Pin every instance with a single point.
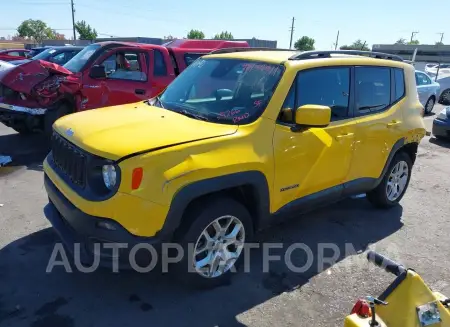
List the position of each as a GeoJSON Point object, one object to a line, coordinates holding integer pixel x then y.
{"type": "Point", "coordinates": [97, 71]}
{"type": "Point", "coordinates": [311, 115]}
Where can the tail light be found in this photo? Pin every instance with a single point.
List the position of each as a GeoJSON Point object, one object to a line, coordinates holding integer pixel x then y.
{"type": "Point", "coordinates": [362, 308]}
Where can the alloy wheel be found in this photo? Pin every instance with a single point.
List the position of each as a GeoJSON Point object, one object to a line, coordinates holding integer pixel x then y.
{"type": "Point", "coordinates": [397, 181]}
{"type": "Point", "coordinates": [219, 246]}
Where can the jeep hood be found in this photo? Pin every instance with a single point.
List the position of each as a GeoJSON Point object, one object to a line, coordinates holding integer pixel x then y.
{"type": "Point", "coordinates": [119, 131]}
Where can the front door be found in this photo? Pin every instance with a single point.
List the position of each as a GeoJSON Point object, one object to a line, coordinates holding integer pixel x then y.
{"type": "Point", "coordinates": [312, 165]}
{"type": "Point", "coordinates": [127, 79]}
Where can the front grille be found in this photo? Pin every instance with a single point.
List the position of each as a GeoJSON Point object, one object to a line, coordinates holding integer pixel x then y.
{"type": "Point", "coordinates": [69, 159]}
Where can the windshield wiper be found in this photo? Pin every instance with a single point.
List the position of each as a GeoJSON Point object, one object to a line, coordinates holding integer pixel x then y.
{"type": "Point", "coordinates": [192, 115]}
{"type": "Point", "coordinates": [372, 107]}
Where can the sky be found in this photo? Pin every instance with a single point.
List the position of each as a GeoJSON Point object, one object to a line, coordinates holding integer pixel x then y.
{"type": "Point", "coordinates": [376, 22]}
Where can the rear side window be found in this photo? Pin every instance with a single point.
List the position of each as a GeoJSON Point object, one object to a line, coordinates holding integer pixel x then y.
{"type": "Point", "coordinates": [159, 65]}
{"type": "Point", "coordinates": [189, 58]}
{"type": "Point", "coordinates": [327, 87]}
{"type": "Point", "coordinates": [373, 88]}
{"type": "Point", "coordinates": [399, 84]}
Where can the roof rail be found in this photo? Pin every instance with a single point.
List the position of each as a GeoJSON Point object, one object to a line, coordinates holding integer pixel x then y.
{"type": "Point", "coordinates": [230, 50]}
{"type": "Point", "coordinates": [327, 54]}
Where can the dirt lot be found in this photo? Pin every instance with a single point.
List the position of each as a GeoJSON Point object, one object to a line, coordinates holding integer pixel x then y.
{"type": "Point", "coordinates": [415, 233]}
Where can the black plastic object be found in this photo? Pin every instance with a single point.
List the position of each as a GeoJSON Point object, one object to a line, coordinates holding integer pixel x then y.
{"type": "Point", "coordinates": [327, 54]}
{"type": "Point", "coordinates": [385, 263]}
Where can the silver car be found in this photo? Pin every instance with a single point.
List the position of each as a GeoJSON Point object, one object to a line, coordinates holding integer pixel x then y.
{"type": "Point", "coordinates": [428, 90]}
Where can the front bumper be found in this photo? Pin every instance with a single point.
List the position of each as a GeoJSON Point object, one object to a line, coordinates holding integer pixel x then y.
{"type": "Point", "coordinates": [25, 110]}
{"type": "Point", "coordinates": [441, 128]}
{"type": "Point", "coordinates": [81, 232]}
{"type": "Point", "coordinates": [12, 116]}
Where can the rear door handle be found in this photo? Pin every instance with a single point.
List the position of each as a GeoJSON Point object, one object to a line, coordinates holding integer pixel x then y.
{"type": "Point", "coordinates": [139, 91]}
{"type": "Point", "coordinates": [393, 124]}
{"type": "Point", "coordinates": [344, 136]}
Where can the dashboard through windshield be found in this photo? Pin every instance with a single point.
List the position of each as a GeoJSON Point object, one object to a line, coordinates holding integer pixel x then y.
{"type": "Point", "coordinates": [227, 91]}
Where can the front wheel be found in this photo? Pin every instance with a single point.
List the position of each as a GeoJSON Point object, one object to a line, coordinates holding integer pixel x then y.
{"type": "Point", "coordinates": [445, 97]}
{"type": "Point", "coordinates": [213, 244]}
{"type": "Point", "coordinates": [394, 184]}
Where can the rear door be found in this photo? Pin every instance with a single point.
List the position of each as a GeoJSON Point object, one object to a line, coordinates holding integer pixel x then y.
{"type": "Point", "coordinates": [127, 78]}
{"type": "Point", "coordinates": [379, 95]}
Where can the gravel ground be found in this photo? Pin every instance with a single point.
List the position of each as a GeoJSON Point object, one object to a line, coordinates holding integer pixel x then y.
{"type": "Point", "coordinates": [414, 233]}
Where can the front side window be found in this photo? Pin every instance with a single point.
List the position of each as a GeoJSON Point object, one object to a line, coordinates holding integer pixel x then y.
{"type": "Point", "coordinates": [422, 79]}
{"type": "Point", "coordinates": [327, 87]}
{"type": "Point", "coordinates": [373, 88]}
{"type": "Point", "coordinates": [228, 91]}
{"type": "Point", "coordinates": [124, 65]}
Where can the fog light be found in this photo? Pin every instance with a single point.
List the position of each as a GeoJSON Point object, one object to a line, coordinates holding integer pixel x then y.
{"type": "Point", "coordinates": [105, 225]}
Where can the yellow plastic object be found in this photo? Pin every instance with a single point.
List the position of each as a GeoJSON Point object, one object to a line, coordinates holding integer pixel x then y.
{"type": "Point", "coordinates": [401, 310]}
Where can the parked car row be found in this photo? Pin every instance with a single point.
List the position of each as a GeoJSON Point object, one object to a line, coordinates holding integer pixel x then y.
{"type": "Point", "coordinates": [36, 93]}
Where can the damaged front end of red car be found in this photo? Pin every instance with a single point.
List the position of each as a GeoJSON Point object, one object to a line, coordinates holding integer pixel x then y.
{"type": "Point", "coordinates": [29, 92]}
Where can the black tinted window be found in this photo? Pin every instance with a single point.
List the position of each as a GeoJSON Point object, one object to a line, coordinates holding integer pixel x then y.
{"type": "Point", "coordinates": [327, 87]}
{"type": "Point", "coordinates": [160, 68]}
{"type": "Point", "coordinates": [189, 58]}
{"type": "Point", "coordinates": [399, 83]}
{"type": "Point", "coordinates": [373, 88]}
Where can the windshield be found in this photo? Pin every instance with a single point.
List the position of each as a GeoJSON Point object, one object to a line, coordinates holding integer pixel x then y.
{"type": "Point", "coordinates": [77, 63]}
{"type": "Point", "coordinates": [44, 54]}
{"type": "Point", "coordinates": [227, 91]}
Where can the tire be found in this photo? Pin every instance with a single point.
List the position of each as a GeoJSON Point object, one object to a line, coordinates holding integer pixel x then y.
{"type": "Point", "coordinates": [445, 97]}
{"type": "Point", "coordinates": [22, 130]}
{"type": "Point", "coordinates": [379, 196]}
{"type": "Point", "coordinates": [429, 105]}
{"type": "Point", "coordinates": [53, 115]}
{"type": "Point", "coordinates": [202, 217]}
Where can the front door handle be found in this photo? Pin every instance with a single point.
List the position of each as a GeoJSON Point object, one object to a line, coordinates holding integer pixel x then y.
{"type": "Point", "coordinates": [345, 136]}
{"type": "Point", "coordinates": [139, 91]}
{"type": "Point", "coordinates": [393, 124]}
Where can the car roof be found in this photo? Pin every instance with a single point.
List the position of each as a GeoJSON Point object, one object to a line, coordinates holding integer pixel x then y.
{"type": "Point", "coordinates": [66, 47]}
{"type": "Point", "coordinates": [283, 57]}
{"type": "Point", "coordinates": [9, 50]}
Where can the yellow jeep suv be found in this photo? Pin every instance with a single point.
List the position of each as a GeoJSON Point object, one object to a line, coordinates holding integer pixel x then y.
{"type": "Point", "coordinates": [241, 139]}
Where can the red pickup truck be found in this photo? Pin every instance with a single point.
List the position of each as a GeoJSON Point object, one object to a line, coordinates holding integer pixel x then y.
{"type": "Point", "coordinates": [35, 94]}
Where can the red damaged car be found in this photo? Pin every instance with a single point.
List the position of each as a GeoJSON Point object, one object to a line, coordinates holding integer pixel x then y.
{"type": "Point", "coordinates": [35, 94]}
{"type": "Point", "coordinates": [13, 54]}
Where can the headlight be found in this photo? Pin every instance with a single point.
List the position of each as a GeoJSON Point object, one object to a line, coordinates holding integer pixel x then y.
{"type": "Point", "coordinates": [109, 176]}
{"type": "Point", "coordinates": [443, 114]}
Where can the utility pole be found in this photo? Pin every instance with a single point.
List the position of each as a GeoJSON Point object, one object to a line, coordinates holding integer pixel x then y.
{"type": "Point", "coordinates": [73, 22]}
{"type": "Point", "coordinates": [442, 37]}
{"type": "Point", "coordinates": [337, 41]}
{"type": "Point", "coordinates": [292, 32]}
{"type": "Point", "coordinates": [412, 36]}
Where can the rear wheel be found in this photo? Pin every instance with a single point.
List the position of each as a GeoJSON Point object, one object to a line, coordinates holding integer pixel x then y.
{"type": "Point", "coordinates": [429, 105]}
{"type": "Point", "coordinates": [445, 97]}
{"type": "Point", "coordinates": [394, 184]}
{"type": "Point", "coordinates": [213, 244]}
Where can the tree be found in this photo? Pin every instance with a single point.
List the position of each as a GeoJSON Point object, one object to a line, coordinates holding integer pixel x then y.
{"type": "Point", "coordinates": [401, 41]}
{"type": "Point", "coordinates": [224, 36]}
{"type": "Point", "coordinates": [439, 43]}
{"type": "Point", "coordinates": [304, 43]}
{"type": "Point", "coordinates": [85, 31]}
{"type": "Point", "coordinates": [196, 34]}
{"type": "Point", "coordinates": [36, 30]}
{"type": "Point", "coordinates": [58, 36]}
{"type": "Point", "coordinates": [357, 45]}
{"type": "Point", "coordinates": [414, 42]}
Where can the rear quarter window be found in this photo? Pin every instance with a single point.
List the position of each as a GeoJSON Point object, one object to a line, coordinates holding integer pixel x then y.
{"type": "Point", "coordinates": [399, 76]}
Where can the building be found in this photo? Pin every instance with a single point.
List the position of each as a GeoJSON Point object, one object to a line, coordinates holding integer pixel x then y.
{"type": "Point", "coordinates": [425, 53]}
